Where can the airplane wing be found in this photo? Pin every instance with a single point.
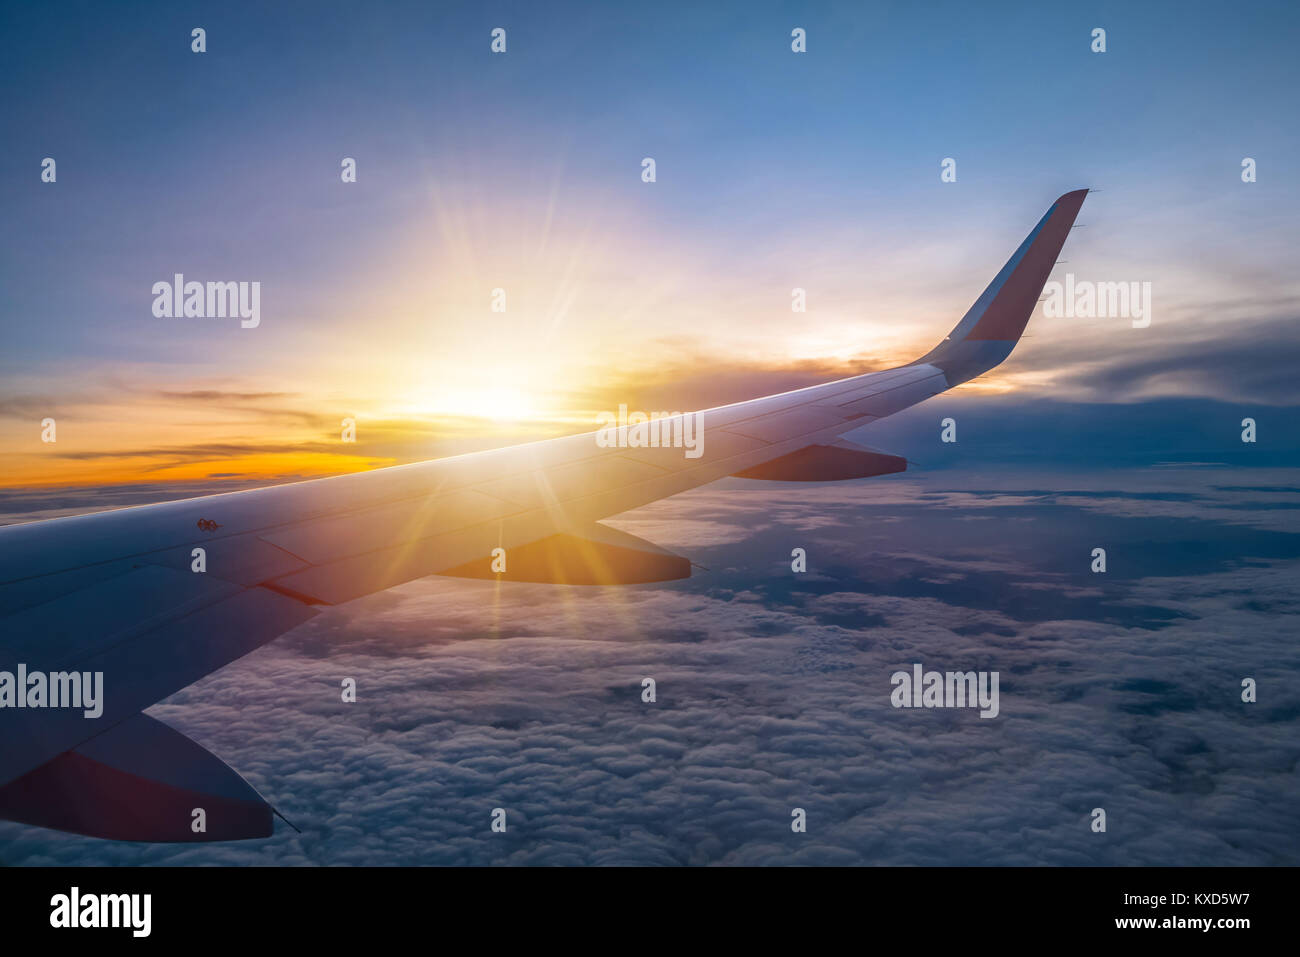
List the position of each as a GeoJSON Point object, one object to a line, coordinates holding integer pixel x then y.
{"type": "Point", "coordinates": [117, 593]}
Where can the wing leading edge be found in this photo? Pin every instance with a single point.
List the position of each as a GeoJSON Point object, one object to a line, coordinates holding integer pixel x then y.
{"type": "Point", "coordinates": [113, 592]}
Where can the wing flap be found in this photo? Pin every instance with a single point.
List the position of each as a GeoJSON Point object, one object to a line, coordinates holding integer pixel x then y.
{"type": "Point", "coordinates": [80, 622]}
{"type": "Point", "coordinates": [806, 418]}
{"type": "Point", "coordinates": [897, 396]}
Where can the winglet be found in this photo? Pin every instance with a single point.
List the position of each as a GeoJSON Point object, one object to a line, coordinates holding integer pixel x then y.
{"type": "Point", "coordinates": [992, 326]}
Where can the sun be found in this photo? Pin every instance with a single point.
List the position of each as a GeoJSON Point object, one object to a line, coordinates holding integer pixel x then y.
{"type": "Point", "coordinates": [497, 403]}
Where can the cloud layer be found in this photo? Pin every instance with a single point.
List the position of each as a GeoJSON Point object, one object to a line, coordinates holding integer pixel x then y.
{"type": "Point", "coordinates": [1118, 691]}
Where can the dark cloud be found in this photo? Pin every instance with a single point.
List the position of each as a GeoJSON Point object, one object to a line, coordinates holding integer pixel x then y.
{"type": "Point", "coordinates": [221, 395]}
{"type": "Point", "coordinates": [202, 452]}
{"type": "Point", "coordinates": [35, 407]}
{"type": "Point", "coordinates": [1249, 360]}
{"type": "Point", "coordinates": [1003, 432]}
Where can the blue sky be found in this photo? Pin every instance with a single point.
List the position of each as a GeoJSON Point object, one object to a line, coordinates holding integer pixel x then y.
{"type": "Point", "coordinates": [769, 162]}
